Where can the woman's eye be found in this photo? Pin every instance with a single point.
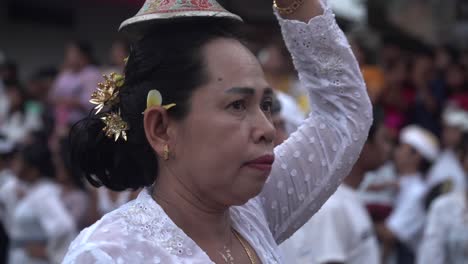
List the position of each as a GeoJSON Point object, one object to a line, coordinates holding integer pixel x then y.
{"type": "Point", "coordinates": [238, 105]}
{"type": "Point", "coordinates": [266, 106]}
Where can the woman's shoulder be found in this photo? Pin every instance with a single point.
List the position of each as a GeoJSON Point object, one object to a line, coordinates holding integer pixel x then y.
{"type": "Point", "coordinates": [133, 232]}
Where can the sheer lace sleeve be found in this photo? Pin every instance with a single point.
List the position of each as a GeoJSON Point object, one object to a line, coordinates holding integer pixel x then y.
{"type": "Point", "coordinates": [311, 163]}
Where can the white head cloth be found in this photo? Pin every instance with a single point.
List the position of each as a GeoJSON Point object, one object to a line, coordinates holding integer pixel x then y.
{"type": "Point", "coordinates": [421, 140]}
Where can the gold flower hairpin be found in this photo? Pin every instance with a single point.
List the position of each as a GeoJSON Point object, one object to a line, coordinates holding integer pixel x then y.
{"type": "Point", "coordinates": [107, 95]}
{"type": "Point", "coordinates": [115, 126]}
{"type": "Point", "coordinates": [107, 92]}
{"type": "Point", "coordinates": [154, 98]}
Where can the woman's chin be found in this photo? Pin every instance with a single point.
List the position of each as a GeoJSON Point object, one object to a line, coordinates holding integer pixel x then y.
{"type": "Point", "coordinates": [248, 193]}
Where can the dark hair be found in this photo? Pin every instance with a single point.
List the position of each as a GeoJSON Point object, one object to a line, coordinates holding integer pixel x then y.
{"type": "Point", "coordinates": [37, 155]}
{"type": "Point", "coordinates": [378, 119]}
{"type": "Point", "coordinates": [425, 163]}
{"type": "Point", "coordinates": [168, 58]}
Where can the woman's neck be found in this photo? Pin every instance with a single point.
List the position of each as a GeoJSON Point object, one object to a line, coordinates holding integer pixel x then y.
{"type": "Point", "coordinates": [204, 221]}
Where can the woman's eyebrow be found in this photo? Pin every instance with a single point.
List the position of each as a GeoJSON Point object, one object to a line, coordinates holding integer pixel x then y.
{"type": "Point", "coordinates": [242, 90]}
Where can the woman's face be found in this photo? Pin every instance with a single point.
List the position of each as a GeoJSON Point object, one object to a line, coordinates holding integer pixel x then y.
{"type": "Point", "coordinates": [228, 126]}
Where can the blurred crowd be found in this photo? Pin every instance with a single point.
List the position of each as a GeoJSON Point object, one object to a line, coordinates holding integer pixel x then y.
{"type": "Point", "coordinates": [407, 182]}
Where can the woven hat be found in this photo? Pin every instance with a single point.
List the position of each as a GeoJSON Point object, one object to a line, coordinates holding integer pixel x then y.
{"type": "Point", "coordinates": [161, 10]}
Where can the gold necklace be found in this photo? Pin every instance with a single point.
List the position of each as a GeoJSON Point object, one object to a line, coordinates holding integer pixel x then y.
{"type": "Point", "coordinates": [246, 248]}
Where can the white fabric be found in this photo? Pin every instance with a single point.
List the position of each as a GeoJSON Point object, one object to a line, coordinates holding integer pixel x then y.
{"type": "Point", "coordinates": [8, 183]}
{"type": "Point", "coordinates": [105, 203]}
{"type": "Point", "coordinates": [341, 231]}
{"type": "Point", "coordinates": [39, 216]}
{"type": "Point", "coordinates": [446, 234]}
{"type": "Point", "coordinates": [308, 167]}
{"type": "Point", "coordinates": [17, 125]}
{"type": "Point", "coordinates": [290, 112]}
{"type": "Point", "coordinates": [456, 117]}
{"type": "Point", "coordinates": [421, 140]}
{"type": "Point", "coordinates": [447, 167]}
{"type": "Point", "coordinates": [384, 175]}
{"type": "Point", "coordinates": [408, 216]}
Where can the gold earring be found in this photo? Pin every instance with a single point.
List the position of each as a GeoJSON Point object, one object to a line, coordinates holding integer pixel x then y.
{"type": "Point", "coordinates": [166, 152]}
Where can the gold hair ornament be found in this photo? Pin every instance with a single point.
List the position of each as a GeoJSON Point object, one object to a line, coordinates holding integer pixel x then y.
{"type": "Point", "coordinates": [107, 92]}
{"type": "Point", "coordinates": [115, 126]}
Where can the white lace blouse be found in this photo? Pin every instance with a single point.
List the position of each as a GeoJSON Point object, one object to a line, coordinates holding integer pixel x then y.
{"type": "Point", "coordinates": [308, 167]}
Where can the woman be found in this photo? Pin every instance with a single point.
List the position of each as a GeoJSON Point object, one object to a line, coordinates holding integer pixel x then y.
{"type": "Point", "coordinates": [38, 225]}
{"type": "Point", "coordinates": [218, 193]}
{"type": "Point", "coordinates": [73, 86]}
{"type": "Point", "coordinates": [446, 233]}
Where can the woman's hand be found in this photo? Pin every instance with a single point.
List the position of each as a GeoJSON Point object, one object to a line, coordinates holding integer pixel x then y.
{"type": "Point", "coordinates": [308, 9]}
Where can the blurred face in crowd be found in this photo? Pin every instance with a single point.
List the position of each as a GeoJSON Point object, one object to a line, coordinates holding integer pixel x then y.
{"type": "Point", "coordinates": [118, 53]}
{"type": "Point", "coordinates": [15, 97]}
{"type": "Point", "coordinates": [396, 74]}
{"type": "Point", "coordinates": [406, 158]}
{"type": "Point", "coordinates": [223, 149]}
{"type": "Point", "coordinates": [451, 136]}
{"type": "Point", "coordinates": [74, 58]}
{"type": "Point", "coordinates": [377, 150]}
{"type": "Point", "coordinates": [422, 69]}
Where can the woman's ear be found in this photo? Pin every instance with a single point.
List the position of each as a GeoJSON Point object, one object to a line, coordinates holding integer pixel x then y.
{"type": "Point", "coordinates": [156, 123]}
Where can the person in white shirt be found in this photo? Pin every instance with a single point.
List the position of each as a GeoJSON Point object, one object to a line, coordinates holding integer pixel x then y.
{"type": "Point", "coordinates": [401, 233]}
{"type": "Point", "coordinates": [445, 238]}
{"type": "Point", "coordinates": [447, 168]}
{"type": "Point", "coordinates": [342, 231]}
{"type": "Point", "coordinates": [38, 225]}
{"type": "Point", "coordinates": [6, 177]}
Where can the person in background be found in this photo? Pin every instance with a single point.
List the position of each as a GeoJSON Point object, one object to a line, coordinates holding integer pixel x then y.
{"type": "Point", "coordinates": [428, 96]}
{"type": "Point", "coordinates": [342, 231]}
{"type": "Point", "coordinates": [445, 238]}
{"type": "Point", "coordinates": [117, 57]}
{"type": "Point", "coordinates": [39, 226]}
{"type": "Point", "coordinates": [21, 117]}
{"type": "Point", "coordinates": [38, 89]}
{"type": "Point", "coordinates": [402, 231]}
{"type": "Point", "coordinates": [447, 169]}
{"type": "Point", "coordinates": [372, 73]}
{"type": "Point", "coordinates": [6, 178]}
{"type": "Point", "coordinates": [73, 192]}
{"type": "Point", "coordinates": [74, 85]}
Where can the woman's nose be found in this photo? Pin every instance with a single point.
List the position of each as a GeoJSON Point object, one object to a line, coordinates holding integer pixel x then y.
{"type": "Point", "coordinates": [264, 131]}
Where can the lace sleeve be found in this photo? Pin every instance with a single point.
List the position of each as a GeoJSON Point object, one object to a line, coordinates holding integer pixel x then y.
{"type": "Point", "coordinates": [312, 162]}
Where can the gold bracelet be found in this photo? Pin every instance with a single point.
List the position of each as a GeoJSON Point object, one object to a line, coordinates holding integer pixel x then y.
{"type": "Point", "coordinates": [290, 9]}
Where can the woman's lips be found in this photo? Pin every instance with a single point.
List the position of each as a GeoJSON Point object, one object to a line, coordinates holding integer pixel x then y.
{"type": "Point", "coordinates": [263, 163]}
